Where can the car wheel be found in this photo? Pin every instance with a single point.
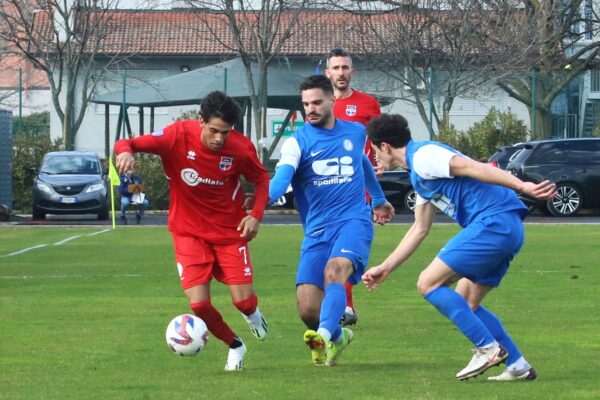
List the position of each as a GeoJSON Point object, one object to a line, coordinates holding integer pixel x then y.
{"type": "Point", "coordinates": [410, 200]}
{"type": "Point", "coordinates": [567, 202]}
{"type": "Point", "coordinates": [38, 214]}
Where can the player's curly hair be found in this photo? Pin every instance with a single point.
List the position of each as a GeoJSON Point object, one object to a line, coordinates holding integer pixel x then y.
{"type": "Point", "coordinates": [389, 128]}
{"type": "Point", "coordinates": [317, 82]}
{"type": "Point", "coordinates": [218, 105]}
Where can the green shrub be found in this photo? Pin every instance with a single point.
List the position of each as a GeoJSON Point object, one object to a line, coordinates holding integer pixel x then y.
{"type": "Point", "coordinates": [156, 185]}
{"type": "Point", "coordinates": [480, 141]}
{"type": "Point", "coordinates": [33, 124]}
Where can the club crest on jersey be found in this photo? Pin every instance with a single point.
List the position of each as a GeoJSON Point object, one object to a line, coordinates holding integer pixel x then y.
{"type": "Point", "coordinates": [191, 154]}
{"type": "Point", "coordinates": [225, 163]}
{"type": "Point", "coordinates": [351, 110]}
{"type": "Point", "coordinates": [348, 145]}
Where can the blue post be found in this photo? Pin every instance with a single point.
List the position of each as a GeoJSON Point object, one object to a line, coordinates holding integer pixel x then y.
{"type": "Point", "coordinates": [533, 103]}
{"type": "Point", "coordinates": [20, 99]}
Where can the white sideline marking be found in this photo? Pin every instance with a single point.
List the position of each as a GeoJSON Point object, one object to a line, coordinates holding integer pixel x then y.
{"type": "Point", "coordinates": [97, 233]}
{"type": "Point", "coordinates": [59, 243]}
{"type": "Point", "coordinates": [24, 250]}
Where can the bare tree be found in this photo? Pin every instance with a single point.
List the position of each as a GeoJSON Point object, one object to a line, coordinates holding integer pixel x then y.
{"type": "Point", "coordinates": [429, 48]}
{"type": "Point", "coordinates": [61, 38]}
{"type": "Point", "coordinates": [258, 31]}
{"type": "Point", "coordinates": [550, 44]}
{"type": "Point", "coordinates": [6, 74]}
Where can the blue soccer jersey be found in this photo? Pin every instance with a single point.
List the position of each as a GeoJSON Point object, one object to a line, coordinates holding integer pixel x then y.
{"type": "Point", "coordinates": [464, 199]}
{"type": "Point", "coordinates": [329, 177]}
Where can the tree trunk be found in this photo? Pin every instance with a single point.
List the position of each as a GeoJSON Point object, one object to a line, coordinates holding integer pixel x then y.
{"type": "Point", "coordinates": [543, 124]}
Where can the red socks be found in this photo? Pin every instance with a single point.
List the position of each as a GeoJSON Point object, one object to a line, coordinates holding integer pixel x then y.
{"type": "Point", "coordinates": [349, 302]}
{"type": "Point", "coordinates": [214, 321]}
{"type": "Point", "coordinates": [247, 306]}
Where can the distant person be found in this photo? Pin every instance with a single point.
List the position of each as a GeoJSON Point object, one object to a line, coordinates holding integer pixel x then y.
{"type": "Point", "coordinates": [482, 199]}
{"type": "Point", "coordinates": [356, 106]}
{"type": "Point", "coordinates": [128, 198]}
{"type": "Point", "coordinates": [205, 161]}
{"type": "Point", "coordinates": [325, 163]}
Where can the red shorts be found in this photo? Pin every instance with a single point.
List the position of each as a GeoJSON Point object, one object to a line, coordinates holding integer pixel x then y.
{"type": "Point", "coordinates": [198, 262]}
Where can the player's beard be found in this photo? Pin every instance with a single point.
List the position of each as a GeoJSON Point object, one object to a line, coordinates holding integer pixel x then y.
{"type": "Point", "coordinates": [325, 117]}
{"type": "Point", "coordinates": [343, 85]}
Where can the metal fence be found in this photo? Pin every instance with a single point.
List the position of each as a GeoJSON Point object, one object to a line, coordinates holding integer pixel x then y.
{"type": "Point", "coordinates": [565, 126]}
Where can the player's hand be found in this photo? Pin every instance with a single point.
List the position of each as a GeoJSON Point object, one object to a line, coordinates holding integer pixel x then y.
{"type": "Point", "coordinates": [384, 213]}
{"type": "Point", "coordinates": [249, 227]}
{"type": "Point", "coordinates": [378, 169]}
{"type": "Point", "coordinates": [545, 190]}
{"type": "Point", "coordinates": [249, 200]}
{"type": "Point", "coordinates": [125, 162]}
{"type": "Point", "coordinates": [375, 276]}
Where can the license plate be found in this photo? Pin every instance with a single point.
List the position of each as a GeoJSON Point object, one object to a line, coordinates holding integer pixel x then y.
{"type": "Point", "coordinates": [68, 200]}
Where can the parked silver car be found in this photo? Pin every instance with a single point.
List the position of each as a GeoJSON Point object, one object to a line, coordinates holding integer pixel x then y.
{"type": "Point", "coordinates": [70, 182]}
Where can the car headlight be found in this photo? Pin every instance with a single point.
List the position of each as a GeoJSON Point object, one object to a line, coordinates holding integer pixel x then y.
{"type": "Point", "coordinates": [44, 187]}
{"type": "Point", "coordinates": [94, 188]}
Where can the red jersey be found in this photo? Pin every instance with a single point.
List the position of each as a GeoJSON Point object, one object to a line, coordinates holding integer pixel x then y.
{"type": "Point", "coordinates": [358, 107]}
{"type": "Point", "coordinates": [205, 186]}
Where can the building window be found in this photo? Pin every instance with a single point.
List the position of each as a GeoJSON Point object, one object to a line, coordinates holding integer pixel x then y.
{"type": "Point", "coordinates": [595, 87]}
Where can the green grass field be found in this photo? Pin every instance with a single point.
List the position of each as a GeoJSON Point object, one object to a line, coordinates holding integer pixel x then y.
{"type": "Point", "coordinates": [86, 319]}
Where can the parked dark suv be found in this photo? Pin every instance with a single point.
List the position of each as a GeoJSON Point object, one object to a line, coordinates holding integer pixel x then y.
{"type": "Point", "coordinates": [70, 182]}
{"type": "Point", "coordinates": [398, 189]}
{"type": "Point", "coordinates": [503, 155]}
{"type": "Point", "coordinates": [573, 164]}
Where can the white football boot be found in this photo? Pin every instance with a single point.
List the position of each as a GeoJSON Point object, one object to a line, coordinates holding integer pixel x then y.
{"type": "Point", "coordinates": [258, 324]}
{"type": "Point", "coordinates": [508, 374]}
{"type": "Point", "coordinates": [482, 360]}
{"type": "Point", "coordinates": [235, 358]}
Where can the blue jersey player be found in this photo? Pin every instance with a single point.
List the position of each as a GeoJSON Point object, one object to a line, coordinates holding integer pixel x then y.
{"type": "Point", "coordinates": [479, 197]}
{"type": "Point", "coordinates": [325, 163]}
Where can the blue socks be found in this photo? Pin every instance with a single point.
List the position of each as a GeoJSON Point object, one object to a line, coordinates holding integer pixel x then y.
{"type": "Point", "coordinates": [456, 309]}
{"type": "Point", "coordinates": [332, 309]}
{"type": "Point", "coordinates": [495, 326]}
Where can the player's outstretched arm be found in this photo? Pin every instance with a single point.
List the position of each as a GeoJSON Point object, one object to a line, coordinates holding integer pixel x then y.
{"type": "Point", "coordinates": [545, 190]}
{"type": "Point", "coordinates": [410, 242]}
{"type": "Point", "coordinates": [462, 166]}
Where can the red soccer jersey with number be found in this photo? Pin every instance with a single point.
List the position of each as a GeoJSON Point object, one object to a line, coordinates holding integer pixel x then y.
{"type": "Point", "coordinates": [205, 186]}
{"type": "Point", "coordinates": [358, 107]}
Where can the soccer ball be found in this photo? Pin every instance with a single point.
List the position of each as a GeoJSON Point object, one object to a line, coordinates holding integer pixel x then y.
{"type": "Point", "coordinates": [186, 335]}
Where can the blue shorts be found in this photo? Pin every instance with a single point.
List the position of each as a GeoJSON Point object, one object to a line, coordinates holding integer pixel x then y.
{"type": "Point", "coordinates": [483, 250]}
{"type": "Point", "coordinates": [349, 239]}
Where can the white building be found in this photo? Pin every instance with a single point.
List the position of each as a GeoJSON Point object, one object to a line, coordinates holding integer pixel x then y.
{"type": "Point", "coordinates": [161, 43]}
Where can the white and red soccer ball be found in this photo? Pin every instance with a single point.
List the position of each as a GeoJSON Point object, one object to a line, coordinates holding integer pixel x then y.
{"type": "Point", "coordinates": [186, 335]}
